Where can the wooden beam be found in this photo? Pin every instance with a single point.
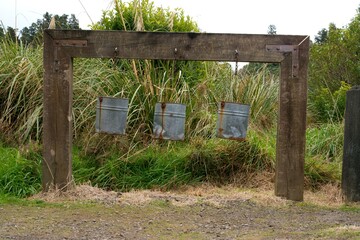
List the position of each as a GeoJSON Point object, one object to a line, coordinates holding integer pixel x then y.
{"type": "Point", "coordinates": [169, 46]}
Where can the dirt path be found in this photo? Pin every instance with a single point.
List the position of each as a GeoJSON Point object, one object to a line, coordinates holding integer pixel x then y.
{"type": "Point", "coordinates": [201, 213]}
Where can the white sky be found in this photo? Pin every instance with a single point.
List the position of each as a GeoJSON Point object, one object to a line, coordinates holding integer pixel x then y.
{"type": "Point", "coordinates": [301, 17]}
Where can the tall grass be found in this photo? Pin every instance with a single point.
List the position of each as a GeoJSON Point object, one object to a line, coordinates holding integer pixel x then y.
{"type": "Point", "coordinates": [260, 90]}
{"type": "Point", "coordinates": [21, 76]}
{"type": "Point", "coordinates": [323, 155]}
{"type": "Point", "coordinates": [326, 140]}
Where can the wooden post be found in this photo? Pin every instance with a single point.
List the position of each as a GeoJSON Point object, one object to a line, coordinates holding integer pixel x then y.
{"type": "Point", "coordinates": [57, 117]}
{"type": "Point", "coordinates": [290, 146]}
{"type": "Point", "coordinates": [351, 156]}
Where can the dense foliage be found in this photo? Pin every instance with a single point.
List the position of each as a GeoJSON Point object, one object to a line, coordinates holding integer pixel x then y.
{"type": "Point", "coordinates": [334, 68]}
{"type": "Point", "coordinates": [8, 33]}
{"type": "Point", "coordinates": [145, 16]}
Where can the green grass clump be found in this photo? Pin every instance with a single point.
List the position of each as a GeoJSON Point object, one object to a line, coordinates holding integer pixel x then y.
{"type": "Point", "coordinates": [221, 161]}
{"type": "Point", "coordinates": [319, 172]}
{"type": "Point", "coordinates": [154, 167]}
{"type": "Point", "coordinates": [19, 176]}
{"type": "Point", "coordinates": [171, 165]}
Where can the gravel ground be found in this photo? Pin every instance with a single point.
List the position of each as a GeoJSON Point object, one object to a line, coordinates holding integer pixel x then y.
{"type": "Point", "coordinates": [194, 213]}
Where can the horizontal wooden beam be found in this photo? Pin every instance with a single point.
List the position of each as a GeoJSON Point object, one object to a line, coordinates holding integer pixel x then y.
{"type": "Point", "coordinates": [172, 46]}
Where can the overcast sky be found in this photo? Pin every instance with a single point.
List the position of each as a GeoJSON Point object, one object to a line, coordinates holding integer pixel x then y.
{"type": "Point", "coordinates": [302, 17]}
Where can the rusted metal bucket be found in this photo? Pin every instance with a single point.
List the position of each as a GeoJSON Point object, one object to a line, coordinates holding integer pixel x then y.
{"type": "Point", "coordinates": [232, 120]}
{"type": "Point", "coordinates": [111, 115]}
{"type": "Point", "coordinates": [169, 121]}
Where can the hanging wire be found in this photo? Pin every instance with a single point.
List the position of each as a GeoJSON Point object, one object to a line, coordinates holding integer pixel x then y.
{"type": "Point", "coordinates": [115, 58]}
{"type": "Point", "coordinates": [236, 62]}
{"type": "Point", "coordinates": [174, 65]}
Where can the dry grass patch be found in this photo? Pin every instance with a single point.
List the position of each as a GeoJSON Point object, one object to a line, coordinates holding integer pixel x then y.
{"type": "Point", "coordinates": [80, 193]}
{"type": "Point", "coordinates": [327, 196]}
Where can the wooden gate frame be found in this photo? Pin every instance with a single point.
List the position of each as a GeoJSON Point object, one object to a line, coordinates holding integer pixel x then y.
{"type": "Point", "coordinates": [61, 46]}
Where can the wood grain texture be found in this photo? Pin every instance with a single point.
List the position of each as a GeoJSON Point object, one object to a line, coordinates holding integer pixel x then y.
{"type": "Point", "coordinates": [49, 91]}
{"type": "Point", "coordinates": [161, 45]}
{"type": "Point", "coordinates": [291, 135]}
{"type": "Point", "coordinates": [57, 122]}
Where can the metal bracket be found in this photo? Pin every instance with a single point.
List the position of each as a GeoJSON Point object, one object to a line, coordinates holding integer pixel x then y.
{"type": "Point", "coordinates": [293, 49]}
{"type": "Point", "coordinates": [71, 43]}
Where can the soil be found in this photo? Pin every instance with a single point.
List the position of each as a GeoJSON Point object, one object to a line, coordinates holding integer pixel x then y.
{"type": "Point", "coordinates": [204, 212]}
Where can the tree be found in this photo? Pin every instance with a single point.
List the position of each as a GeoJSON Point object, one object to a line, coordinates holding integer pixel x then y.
{"type": "Point", "coordinates": [334, 66]}
{"type": "Point", "coordinates": [322, 36]}
{"type": "Point", "coordinates": [33, 33]}
{"type": "Point", "coordinates": [142, 15]}
{"type": "Point", "coordinates": [272, 29]}
{"type": "Point", "coordinates": [11, 34]}
{"type": "Point", "coordinates": [336, 57]}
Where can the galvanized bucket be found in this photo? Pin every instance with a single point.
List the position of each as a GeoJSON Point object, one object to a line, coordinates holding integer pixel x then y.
{"type": "Point", "coordinates": [111, 115]}
{"type": "Point", "coordinates": [169, 121]}
{"type": "Point", "coordinates": [232, 120]}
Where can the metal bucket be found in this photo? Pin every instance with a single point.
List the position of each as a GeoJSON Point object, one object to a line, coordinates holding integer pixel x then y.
{"type": "Point", "coordinates": [169, 121]}
{"type": "Point", "coordinates": [232, 120]}
{"type": "Point", "coordinates": [111, 115]}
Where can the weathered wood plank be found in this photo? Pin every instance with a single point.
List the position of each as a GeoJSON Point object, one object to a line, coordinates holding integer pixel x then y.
{"type": "Point", "coordinates": [169, 46]}
{"type": "Point", "coordinates": [49, 117]}
{"type": "Point", "coordinates": [63, 177]}
{"type": "Point", "coordinates": [290, 148]}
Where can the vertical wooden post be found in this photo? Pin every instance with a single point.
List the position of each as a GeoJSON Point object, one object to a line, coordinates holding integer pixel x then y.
{"type": "Point", "coordinates": [290, 147]}
{"type": "Point", "coordinates": [351, 158]}
{"type": "Point", "coordinates": [57, 117]}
